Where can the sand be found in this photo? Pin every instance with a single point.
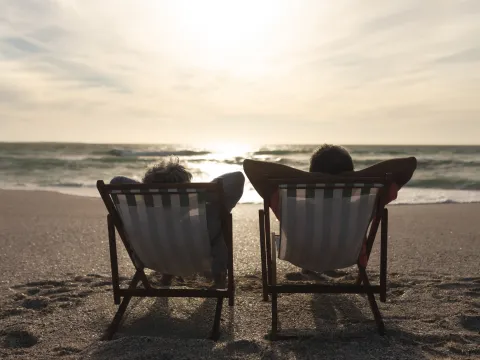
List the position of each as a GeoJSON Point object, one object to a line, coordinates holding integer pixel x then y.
{"type": "Point", "coordinates": [56, 298]}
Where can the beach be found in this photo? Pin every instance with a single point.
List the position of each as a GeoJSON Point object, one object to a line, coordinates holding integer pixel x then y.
{"type": "Point", "coordinates": [56, 298]}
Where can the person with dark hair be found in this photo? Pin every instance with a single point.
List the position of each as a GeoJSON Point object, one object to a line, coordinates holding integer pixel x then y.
{"type": "Point", "coordinates": [171, 171]}
{"type": "Point", "coordinates": [329, 160]}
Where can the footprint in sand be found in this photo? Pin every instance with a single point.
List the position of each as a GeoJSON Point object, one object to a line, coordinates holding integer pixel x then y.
{"type": "Point", "coordinates": [471, 323]}
{"type": "Point", "coordinates": [469, 285]}
{"type": "Point", "coordinates": [471, 279]}
{"type": "Point", "coordinates": [397, 292]}
{"type": "Point", "coordinates": [475, 292]}
{"type": "Point", "coordinates": [18, 339]}
{"type": "Point", "coordinates": [454, 286]}
{"type": "Point", "coordinates": [46, 295]}
{"type": "Point", "coordinates": [68, 350]}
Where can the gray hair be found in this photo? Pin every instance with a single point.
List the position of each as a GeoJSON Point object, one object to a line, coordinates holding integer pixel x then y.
{"type": "Point", "coordinates": [167, 171]}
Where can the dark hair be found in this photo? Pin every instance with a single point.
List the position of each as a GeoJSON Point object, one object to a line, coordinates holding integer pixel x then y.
{"type": "Point", "coordinates": [167, 172]}
{"type": "Point", "coordinates": [331, 159]}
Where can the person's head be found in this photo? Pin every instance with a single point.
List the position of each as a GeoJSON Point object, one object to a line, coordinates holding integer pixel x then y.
{"type": "Point", "coordinates": [331, 159]}
{"type": "Point", "coordinates": [166, 172]}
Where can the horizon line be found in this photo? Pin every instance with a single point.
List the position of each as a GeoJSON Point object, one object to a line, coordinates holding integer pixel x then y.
{"type": "Point", "coordinates": [268, 144]}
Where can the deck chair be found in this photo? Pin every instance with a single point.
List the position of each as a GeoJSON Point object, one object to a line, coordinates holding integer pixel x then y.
{"type": "Point", "coordinates": [323, 227]}
{"type": "Point", "coordinates": [164, 228]}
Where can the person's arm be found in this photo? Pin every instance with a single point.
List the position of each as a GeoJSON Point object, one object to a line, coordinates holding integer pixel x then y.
{"type": "Point", "coordinates": [233, 184]}
{"type": "Point", "coordinates": [402, 170]}
{"type": "Point", "coordinates": [258, 172]}
{"type": "Point", "coordinates": [118, 180]}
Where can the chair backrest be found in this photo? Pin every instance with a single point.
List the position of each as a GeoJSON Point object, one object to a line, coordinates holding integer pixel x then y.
{"type": "Point", "coordinates": [323, 225]}
{"type": "Point", "coordinates": [165, 226]}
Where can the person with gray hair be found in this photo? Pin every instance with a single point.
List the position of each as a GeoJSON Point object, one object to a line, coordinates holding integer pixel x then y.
{"type": "Point", "coordinates": [171, 171]}
{"type": "Point", "coordinates": [167, 172]}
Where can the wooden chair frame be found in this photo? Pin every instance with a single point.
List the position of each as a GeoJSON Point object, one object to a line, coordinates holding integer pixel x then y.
{"type": "Point", "coordinates": [362, 285]}
{"type": "Point", "coordinates": [114, 222]}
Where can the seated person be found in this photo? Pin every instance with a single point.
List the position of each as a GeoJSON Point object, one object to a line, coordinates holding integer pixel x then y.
{"type": "Point", "coordinates": [330, 160]}
{"type": "Point", "coordinates": [172, 171]}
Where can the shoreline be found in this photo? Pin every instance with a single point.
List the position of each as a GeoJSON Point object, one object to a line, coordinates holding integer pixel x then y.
{"type": "Point", "coordinates": [93, 193]}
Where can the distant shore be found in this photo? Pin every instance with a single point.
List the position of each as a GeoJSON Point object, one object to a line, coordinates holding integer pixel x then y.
{"type": "Point", "coordinates": [56, 300]}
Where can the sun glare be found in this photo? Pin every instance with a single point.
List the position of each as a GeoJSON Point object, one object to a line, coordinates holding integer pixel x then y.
{"type": "Point", "coordinates": [230, 149]}
{"type": "Point", "coordinates": [228, 35]}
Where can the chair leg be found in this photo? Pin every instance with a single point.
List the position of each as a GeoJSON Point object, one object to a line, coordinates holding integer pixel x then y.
{"type": "Point", "coordinates": [216, 321]}
{"type": "Point", "coordinates": [261, 222]}
{"type": "Point", "coordinates": [113, 327]}
{"type": "Point", "coordinates": [268, 250]}
{"type": "Point", "coordinates": [372, 302]}
{"type": "Point", "coordinates": [383, 256]}
{"type": "Point", "coordinates": [231, 290]}
{"type": "Point", "coordinates": [273, 335]}
{"type": "Point", "coordinates": [369, 244]}
{"type": "Point", "coordinates": [231, 278]}
{"type": "Point", "coordinates": [273, 281]}
{"type": "Point", "coordinates": [371, 235]}
{"type": "Point", "coordinates": [113, 259]}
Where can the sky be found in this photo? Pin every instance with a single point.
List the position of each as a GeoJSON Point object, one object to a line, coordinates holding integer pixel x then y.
{"type": "Point", "coordinates": [260, 72]}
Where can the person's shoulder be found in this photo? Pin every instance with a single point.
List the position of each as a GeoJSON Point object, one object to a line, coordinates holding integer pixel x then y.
{"type": "Point", "coordinates": [401, 169]}
{"type": "Point", "coordinates": [235, 176]}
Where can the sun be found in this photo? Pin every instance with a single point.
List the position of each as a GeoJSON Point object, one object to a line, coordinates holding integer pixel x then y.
{"type": "Point", "coordinates": [226, 35]}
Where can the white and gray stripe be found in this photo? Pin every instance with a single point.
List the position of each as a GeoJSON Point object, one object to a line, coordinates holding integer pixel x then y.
{"type": "Point", "coordinates": [324, 229]}
{"type": "Point", "coordinates": [167, 230]}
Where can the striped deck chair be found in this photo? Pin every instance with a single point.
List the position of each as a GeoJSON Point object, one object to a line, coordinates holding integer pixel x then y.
{"type": "Point", "coordinates": [323, 226]}
{"type": "Point", "coordinates": [164, 228]}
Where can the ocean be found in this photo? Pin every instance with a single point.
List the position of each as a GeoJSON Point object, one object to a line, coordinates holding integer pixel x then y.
{"type": "Point", "coordinates": [445, 174]}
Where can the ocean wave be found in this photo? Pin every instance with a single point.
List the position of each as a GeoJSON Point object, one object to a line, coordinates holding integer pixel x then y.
{"type": "Point", "coordinates": [282, 152]}
{"type": "Point", "coordinates": [431, 173]}
{"type": "Point", "coordinates": [134, 153]}
{"type": "Point", "coordinates": [8, 163]}
{"type": "Point", "coordinates": [34, 163]}
{"type": "Point", "coordinates": [448, 162]}
{"type": "Point", "coordinates": [428, 202]}
{"type": "Point", "coordinates": [69, 185]}
{"type": "Point", "coordinates": [70, 167]}
{"type": "Point", "coordinates": [239, 161]}
{"type": "Point", "coordinates": [446, 183]}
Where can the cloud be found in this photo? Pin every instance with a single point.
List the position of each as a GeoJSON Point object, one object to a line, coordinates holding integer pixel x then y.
{"type": "Point", "coordinates": [389, 21]}
{"type": "Point", "coordinates": [71, 65]}
{"type": "Point", "coordinates": [50, 34]}
{"type": "Point", "coordinates": [470, 55]}
{"type": "Point", "coordinates": [22, 45]}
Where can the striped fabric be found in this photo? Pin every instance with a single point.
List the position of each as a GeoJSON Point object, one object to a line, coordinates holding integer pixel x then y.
{"type": "Point", "coordinates": [167, 229]}
{"type": "Point", "coordinates": [324, 228]}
